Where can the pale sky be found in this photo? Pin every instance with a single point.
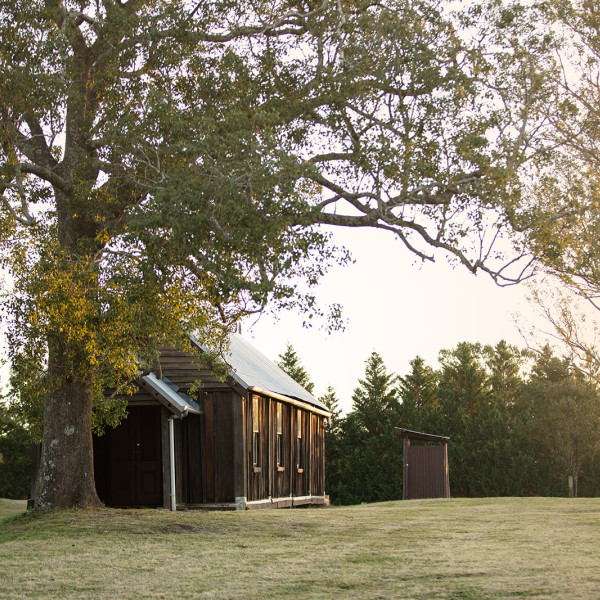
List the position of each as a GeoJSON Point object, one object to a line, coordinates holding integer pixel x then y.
{"type": "Point", "coordinates": [393, 306]}
{"type": "Point", "coordinates": [396, 308]}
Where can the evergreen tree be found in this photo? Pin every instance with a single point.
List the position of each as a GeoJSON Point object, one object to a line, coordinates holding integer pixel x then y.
{"type": "Point", "coordinates": [463, 394]}
{"type": "Point", "coordinates": [330, 400]}
{"type": "Point", "coordinates": [566, 417]}
{"type": "Point", "coordinates": [418, 394]}
{"type": "Point", "coordinates": [290, 363]}
{"type": "Point", "coordinates": [374, 398]}
{"type": "Point", "coordinates": [370, 452]}
{"type": "Point", "coordinates": [505, 364]}
{"type": "Point", "coordinates": [333, 451]}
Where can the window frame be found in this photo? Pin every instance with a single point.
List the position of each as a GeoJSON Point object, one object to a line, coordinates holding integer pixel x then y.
{"type": "Point", "coordinates": [299, 457]}
{"type": "Point", "coordinates": [279, 448]}
{"type": "Point", "coordinates": [256, 434]}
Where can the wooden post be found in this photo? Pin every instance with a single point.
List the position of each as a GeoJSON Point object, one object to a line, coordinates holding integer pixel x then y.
{"type": "Point", "coordinates": [239, 464]}
{"type": "Point", "coordinates": [405, 468]}
{"type": "Point", "coordinates": [571, 487]}
{"type": "Point", "coordinates": [166, 461]}
{"type": "Point", "coordinates": [446, 470]}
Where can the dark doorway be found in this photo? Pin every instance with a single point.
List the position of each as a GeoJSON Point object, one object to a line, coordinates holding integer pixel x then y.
{"type": "Point", "coordinates": [128, 460]}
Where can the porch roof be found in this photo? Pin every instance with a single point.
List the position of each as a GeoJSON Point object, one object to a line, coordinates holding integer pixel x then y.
{"type": "Point", "coordinates": [166, 393]}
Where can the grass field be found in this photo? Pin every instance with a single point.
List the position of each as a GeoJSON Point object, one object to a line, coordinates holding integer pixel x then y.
{"type": "Point", "coordinates": [458, 548]}
{"type": "Point", "coordinates": [9, 508]}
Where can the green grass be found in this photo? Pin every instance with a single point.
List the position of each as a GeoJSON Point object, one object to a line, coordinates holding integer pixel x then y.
{"type": "Point", "coordinates": [450, 549]}
{"type": "Point", "coordinates": [10, 508]}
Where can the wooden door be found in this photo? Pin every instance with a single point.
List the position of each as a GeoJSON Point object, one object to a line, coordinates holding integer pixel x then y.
{"type": "Point", "coordinates": [134, 460]}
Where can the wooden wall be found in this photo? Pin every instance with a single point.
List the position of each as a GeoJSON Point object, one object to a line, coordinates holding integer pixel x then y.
{"type": "Point", "coordinates": [317, 485]}
{"type": "Point", "coordinates": [204, 464]}
{"type": "Point", "coordinates": [270, 480]}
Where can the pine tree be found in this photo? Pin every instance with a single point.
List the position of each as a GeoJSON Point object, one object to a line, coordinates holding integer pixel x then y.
{"type": "Point", "coordinates": [374, 397]}
{"type": "Point", "coordinates": [418, 394]}
{"type": "Point", "coordinates": [370, 452]}
{"type": "Point", "coordinates": [290, 363]}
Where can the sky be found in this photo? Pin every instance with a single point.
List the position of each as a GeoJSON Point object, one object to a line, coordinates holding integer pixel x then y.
{"type": "Point", "coordinates": [397, 308]}
{"type": "Point", "coordinates": [391, 305]}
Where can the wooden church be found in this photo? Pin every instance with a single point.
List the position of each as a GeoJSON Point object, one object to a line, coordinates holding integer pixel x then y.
{"type": "Point", "coordinates": [255, 440]}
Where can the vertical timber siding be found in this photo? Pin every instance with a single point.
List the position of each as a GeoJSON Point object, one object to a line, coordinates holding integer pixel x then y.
{"type": "Point", "coordinates": [427, 472]}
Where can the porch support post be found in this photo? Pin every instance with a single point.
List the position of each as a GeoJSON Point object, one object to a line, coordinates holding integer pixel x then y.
{"type": "Point", "coordinates": [405, 493]}
{"type": "Point", "coordinates": [172, 462]}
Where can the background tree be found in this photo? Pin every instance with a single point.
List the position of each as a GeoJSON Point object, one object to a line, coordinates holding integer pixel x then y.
{"type": "Point", "coordinates": [162, 166]}
{"type": "Point", "coordinates": [418, 396]}
{"type": "Point", "coordinates": [566, 415]}
{"type": "Point", "coordinates": [290, 363]}
{"type": "Point", "coordinates": [15, 456]}
{"type": "Point", "coordinates": [370, 453]}
{"type": "Point", "coordinates": [333, 451]}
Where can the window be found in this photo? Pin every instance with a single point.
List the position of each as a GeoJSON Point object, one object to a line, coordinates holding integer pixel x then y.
{"type": "Point", "coordinates": [279, 435]}
{"type": "Point", "coordinates": [255, 432]}
{"type": "Point", "coordinates": [299, 438]}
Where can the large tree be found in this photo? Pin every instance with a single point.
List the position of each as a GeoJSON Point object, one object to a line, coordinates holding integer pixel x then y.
{"type": "Point", "coordinates": [163, 165]}
{"type": "Point", "coordinates": [567, 196]}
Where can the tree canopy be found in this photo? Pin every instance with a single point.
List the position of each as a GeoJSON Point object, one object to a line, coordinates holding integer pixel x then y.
{"type": "Point", "coordinates": [567, 196]}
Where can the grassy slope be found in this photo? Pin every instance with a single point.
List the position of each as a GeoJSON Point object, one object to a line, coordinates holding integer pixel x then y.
{"type": "Point", "coordinates": [490, 548]}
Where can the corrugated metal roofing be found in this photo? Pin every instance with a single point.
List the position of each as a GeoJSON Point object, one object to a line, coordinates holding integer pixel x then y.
{"type": "Point", "coordinates": [180, 403]}
{"type": "Point", "coordinates": [252, 369]}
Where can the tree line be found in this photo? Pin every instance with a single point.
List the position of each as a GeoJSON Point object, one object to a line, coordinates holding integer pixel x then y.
{"type": "Point", "coordinates": [521, 424]}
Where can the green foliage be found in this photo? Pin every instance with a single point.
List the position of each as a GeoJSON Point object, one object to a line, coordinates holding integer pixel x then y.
{"type": "Point", "coordinates": [15, 456]}
{"type": "Point", "coordinates": [565, 410]}
{"type": "Point", "coordinates": [367, 461]}
{"type": "Point", "coordinates": [290, 363]}
{"type": "Point", "coordinates": [567, 196]}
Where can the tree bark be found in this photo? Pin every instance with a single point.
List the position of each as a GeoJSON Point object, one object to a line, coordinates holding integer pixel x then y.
{"type": "Point", "coordinates": [66, 474]}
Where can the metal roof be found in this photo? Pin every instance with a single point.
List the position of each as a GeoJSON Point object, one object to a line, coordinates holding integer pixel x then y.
{"type": "Point", "coordinates": [177, 402]}
{"type": "Point", "coordinates": [251, 369]}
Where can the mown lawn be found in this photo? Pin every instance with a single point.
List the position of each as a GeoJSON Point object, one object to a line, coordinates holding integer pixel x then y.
{"type": "Point", "coordinates": [458, 548]}
{"type": "Point", "coordinates": [9, 508]}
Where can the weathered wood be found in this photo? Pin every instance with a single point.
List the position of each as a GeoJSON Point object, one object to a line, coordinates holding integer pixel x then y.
{"type": "Point", "coordinates": [237, 410]}
{"type": "Point", "coordinates": [425, 468]}
{"type": "Point", "coordinates": [166, 463]}
{"type": "Point", "coordinates": [129, 460]}
{"type": "Point", "coordinates": [406, 446]}
{"type": "Point", "coordinates": [213, 451]}
{"type": "Point", "coordinates": [209, 445]}
{"type": "Point", "coordinates": [223, 436]}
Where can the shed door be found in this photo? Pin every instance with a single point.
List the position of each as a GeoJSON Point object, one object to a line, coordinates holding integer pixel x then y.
{"type": "Point", "coordinates": [427, 475]}
{"type": "Point", "coordinates": [134, 459]}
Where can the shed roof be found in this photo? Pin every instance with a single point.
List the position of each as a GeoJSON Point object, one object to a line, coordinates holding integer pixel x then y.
{"type": "Point", "coordinates": [253, 370]}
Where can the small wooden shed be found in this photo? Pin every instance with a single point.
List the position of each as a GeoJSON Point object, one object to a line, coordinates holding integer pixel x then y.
{"type": "Point", "coordinates": [425, 472]}
{"type": "Point", "coordinates": [255, 440]}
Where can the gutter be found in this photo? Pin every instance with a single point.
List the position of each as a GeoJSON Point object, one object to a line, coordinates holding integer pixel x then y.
{"type": "Point", "coordinates": [298, 403]}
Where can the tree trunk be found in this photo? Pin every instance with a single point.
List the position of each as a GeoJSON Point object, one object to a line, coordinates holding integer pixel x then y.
{"type": "Point", "coordinates": [66, 475]}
